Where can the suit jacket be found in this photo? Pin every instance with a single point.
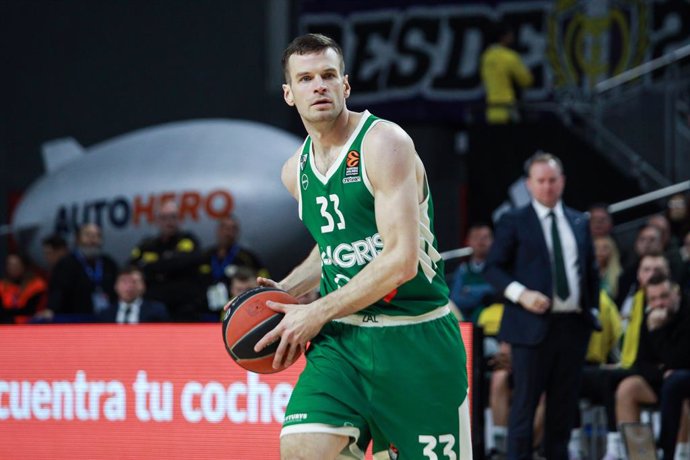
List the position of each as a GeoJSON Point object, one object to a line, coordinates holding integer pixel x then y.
{"type": "Point", "coordinates": [70, 289]}
{"type": "Point", "coordinates": [150, 311]}
{"type": "Point", "coordinates": [519, 253]}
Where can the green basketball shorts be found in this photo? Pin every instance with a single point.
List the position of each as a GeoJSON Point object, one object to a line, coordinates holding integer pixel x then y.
{"type": "Point", "coordinates": [400, 382]}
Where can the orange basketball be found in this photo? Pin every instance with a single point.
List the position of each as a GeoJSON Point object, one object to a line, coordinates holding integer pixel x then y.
{"type": "Point", "coordinates": [247, 320]}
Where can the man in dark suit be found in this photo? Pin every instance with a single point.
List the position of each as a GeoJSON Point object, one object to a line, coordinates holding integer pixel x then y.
{"type": "Point", "coordinates": [81, 283]}
{"type": "Point", "coordinates": [542, 260]}
{"type": "Point", "coordinates": [131, 307]}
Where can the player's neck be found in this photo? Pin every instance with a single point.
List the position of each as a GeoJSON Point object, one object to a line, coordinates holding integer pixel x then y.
{"type": "Point", "coordinates": [329, 137]}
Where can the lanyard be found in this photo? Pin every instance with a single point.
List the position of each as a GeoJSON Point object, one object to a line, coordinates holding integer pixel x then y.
{"type": "Point", "coordinates": [218, 266]}
{"type": "Point", "coordinates": [94, 273]}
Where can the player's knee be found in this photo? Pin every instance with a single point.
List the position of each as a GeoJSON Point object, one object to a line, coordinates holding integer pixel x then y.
{"type": "Point", "coordinates": [311, 446]}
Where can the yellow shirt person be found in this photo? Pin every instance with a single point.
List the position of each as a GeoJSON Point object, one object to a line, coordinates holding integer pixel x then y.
{"type": "Point", "coordinates": [502, 69]}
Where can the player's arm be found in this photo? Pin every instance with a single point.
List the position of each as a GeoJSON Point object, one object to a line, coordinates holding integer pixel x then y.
{"type": "Point", "coordinates": [391, 166]}
{"type": "Point", "coordinates": [307, 275]}
{"type": "Point", "coordinates": [302, 279]}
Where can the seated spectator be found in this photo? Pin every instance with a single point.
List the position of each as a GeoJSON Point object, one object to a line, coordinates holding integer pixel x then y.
{"type": "Point", "coordinates": [169, 262]}
{"type": "Point", "coordinates": [648, 241]}
{"type": "Point", "coordinates": [685, 257]}
{"type": "Point", "coordinates": [669, 244]}
{"type": "Point", "coordinates": [54, 248]}
{"type": "Point", "coordinates": [609, 264]}
{"type": "Point", "coordinates": [678, 215]}
{"type": "Point", "coordinates": [82, 283]}
{"type": "Point", "coordinates": [131, 306]}
{"type": "Point", "coordinates": [663, 350]}
{"type": "Point", "coordinates": [22, 293]}
{"type": "Point", "coordinates": [469, 290]}
{"type": "Point", "coordinates": [218, 261]}
{"type": "Point", "coordinates": [242, 279]}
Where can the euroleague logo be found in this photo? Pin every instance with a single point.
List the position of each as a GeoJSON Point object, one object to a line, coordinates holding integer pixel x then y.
{"type": "Point", "coordinates": [352, 159]}
{"type": "Point", "coordinates": [352, 167]}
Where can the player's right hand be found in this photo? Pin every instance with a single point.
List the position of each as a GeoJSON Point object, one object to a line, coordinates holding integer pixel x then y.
{"type": "Point", "coordinates": [267, 282]}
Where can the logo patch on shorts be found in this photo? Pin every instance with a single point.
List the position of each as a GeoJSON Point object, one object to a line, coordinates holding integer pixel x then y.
{"type": "Point", "coordinates": [295, 417]}
{"type": "Point", "coordinates": [393, 452]}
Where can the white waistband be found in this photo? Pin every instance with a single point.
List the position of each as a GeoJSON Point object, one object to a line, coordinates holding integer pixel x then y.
{"type": "Point", "coordinates": [369, 320]}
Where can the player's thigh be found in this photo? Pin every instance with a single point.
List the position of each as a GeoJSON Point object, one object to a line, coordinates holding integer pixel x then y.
{"type": "Point", "coordinates": [420, 391]}
{"type": "Point", "coordinates": [312, 446]}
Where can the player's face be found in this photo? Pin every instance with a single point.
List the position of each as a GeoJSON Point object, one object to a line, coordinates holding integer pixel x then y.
{"type": "Point", "coordinates": [546, 183]}
{"type": "Point", "coordinates": [317, 88]}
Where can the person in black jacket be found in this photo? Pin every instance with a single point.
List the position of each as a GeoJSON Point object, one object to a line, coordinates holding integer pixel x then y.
{"type": "Point", "coordinates": [82, 283]}
{"type": "Point", "coordinates": [663, 352]}
{"type": "Point", "coordinates": [169, 262]}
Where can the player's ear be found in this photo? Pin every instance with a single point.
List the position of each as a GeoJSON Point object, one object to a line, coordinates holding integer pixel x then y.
{"type": "Point", "coordinates": [346, 84]}
{"type": "Point", "coordinates": [287, 95]}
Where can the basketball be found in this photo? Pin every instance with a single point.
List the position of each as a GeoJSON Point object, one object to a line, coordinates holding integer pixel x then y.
{"type": "Point", "coordinates": [246, 321]}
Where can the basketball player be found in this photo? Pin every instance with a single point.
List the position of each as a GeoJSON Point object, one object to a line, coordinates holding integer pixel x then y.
{"type": "Point", "coordinates": [386, 360]}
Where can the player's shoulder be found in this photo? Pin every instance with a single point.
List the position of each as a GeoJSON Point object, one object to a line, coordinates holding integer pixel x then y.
{"type": "Point", "coordinates": [387, 138]}
{"type": "Point", "coordinates": [288, 173]}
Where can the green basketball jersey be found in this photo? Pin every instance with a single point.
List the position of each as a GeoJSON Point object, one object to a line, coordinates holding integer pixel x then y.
{"type": "Point", "coordinates": [338, 210]}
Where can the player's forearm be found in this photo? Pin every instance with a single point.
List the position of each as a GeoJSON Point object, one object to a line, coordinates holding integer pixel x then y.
{"type": "Point", "coordinates": [379, 278]}
{"type": "Point", "coordinates": [305, 277]}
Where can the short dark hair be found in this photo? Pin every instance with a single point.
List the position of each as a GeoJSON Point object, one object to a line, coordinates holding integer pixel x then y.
{"type": "Point", "coordinates": [243, 273]}
{"type": "Point", "coordinates": [130, 270]}
{"type": "Point", "coordinates": [310, 43]}
{"type": "Point", "coordinates": [54, 241]}
{"type": "Point", "coordinates": [659, 278]}
{"type": "Point", "coordinates": [542, 157]}
{"type": "Point", "coordinates": [479, 225]}
{"type": "Point", "coordinates": [599, 205]}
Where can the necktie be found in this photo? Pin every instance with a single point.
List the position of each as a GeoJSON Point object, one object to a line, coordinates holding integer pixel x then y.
{"type": "Point", "coordinates": [125, 316]}
{"type": "Point", "coordinates": [562, 289]}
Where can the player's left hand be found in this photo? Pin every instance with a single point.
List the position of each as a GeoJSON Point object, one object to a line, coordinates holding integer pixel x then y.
{"type": "Point", "coordinates": [299, 325]}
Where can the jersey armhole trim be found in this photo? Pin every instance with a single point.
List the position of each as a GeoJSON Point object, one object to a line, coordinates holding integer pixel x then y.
{"type": "Point", "coordinates": [365, 177]}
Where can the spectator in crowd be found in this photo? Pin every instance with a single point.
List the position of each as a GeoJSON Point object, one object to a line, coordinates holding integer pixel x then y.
{"type": "Point", "coordinates": [54, 248]}
{"type": "Point", "coordinates": [663, 349]}
{"type": "Point", "coordinates": [601, 226]}
{"type": "Point", "coordinates": [469, 290]}
{"type": "Point", "coordinates": [221, 259]}
{"type": "Point", "coordinates": [542, 260]}
{"type": "Point", "coordinates": [685, 257]}
{"type": "Point", "coordinates": [22, 292]}
{"type": "Point", "coordinates": [601, 383]}
{"type": "Point", "coordinates": [503, 75]}
{"type": "Point", "coordinates": [678, 215]}
{"type": "Point", "coordinates": [131, 306]}
{"type": "Point", "coordinates": [82, 283]}
{"type": "Point", "coordinates": [648, 241]}
{"type": "Point", "coordinates": [170, 263]}
{"type": "Point", "coordinates": [609, 264]}
{"type": "Point", "coordinates": [669, 244]}
{"type": "Point", "coordinates": [242, 278]}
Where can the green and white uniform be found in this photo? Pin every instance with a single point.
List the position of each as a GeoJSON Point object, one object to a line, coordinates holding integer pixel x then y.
{"type": "Point", "coordinates": [395, 371]}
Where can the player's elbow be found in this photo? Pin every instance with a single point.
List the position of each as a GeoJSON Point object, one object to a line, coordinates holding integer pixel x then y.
{"type": "Point", "coordinates": [406, 268]}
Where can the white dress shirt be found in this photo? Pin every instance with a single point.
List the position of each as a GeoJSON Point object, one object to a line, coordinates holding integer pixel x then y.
{"type": "Point", "coordinates": [128, 317]}
{"type": "Point", "coordinates": [570, 258]}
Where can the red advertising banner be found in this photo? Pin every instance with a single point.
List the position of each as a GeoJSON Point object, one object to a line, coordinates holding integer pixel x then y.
{"type": "Point", "coordinates": [131, 392]}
